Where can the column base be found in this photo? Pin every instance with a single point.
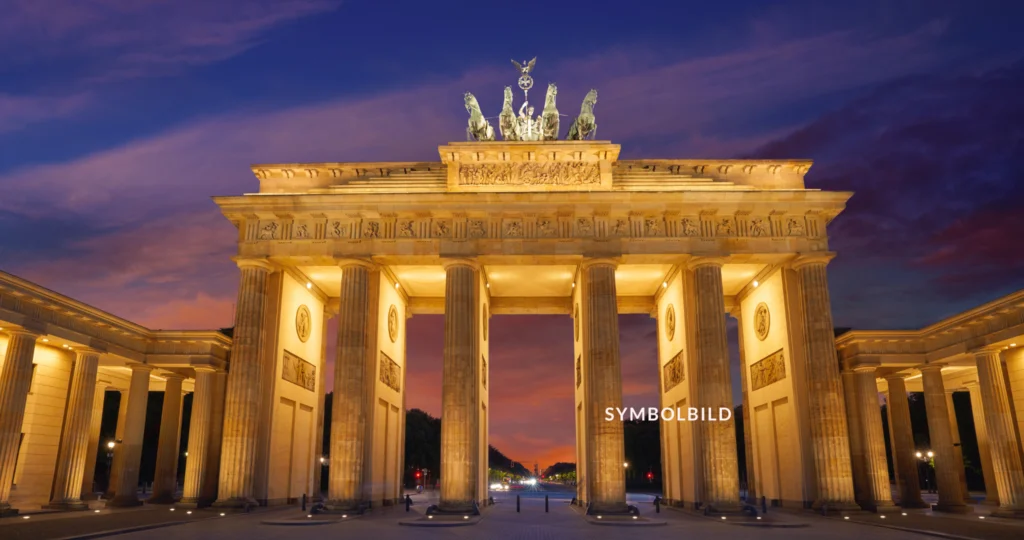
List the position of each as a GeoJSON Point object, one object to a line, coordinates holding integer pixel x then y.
{"type": "Point", "coordinates": [835, 507]}
{"type": "Point", "coordinates": [609, 508]}
{"type": "Point", "coordinates": [67, 505]}
{"type": "Point", "coordinates": [235, 502]}
{"type": "Point", "coordinates": [162, 498]}
{"type": "Point", "coordinates": [952, 508]}
{"type": "Point", "coordinates": [193, 502]}
{"type": "Point", "coordinates": [1014, 513]}
{"type": "Point", "coordinates": [8, 512]}
{"type": "Point", "coordinates": [124, 502]}
{"type": "Point", "coordinates": [881, 508]}
{"type": "Point", "coordinates": [454, 508]}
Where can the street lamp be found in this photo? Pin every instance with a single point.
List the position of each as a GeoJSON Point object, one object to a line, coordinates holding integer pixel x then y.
{"type": "Point", "coordinates": [926, 459]}
{"type": "Point", "coordinates": [110, 460]}
{"type": "Point", "coordinates": [626, 464]}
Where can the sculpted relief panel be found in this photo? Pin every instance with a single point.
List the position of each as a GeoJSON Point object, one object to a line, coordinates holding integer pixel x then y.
{"type": "Point", "coordinates": [410, 227]}
{"type": "Point", "coordinates": [768, 370]}
{"type": "Point", "coordinates": [298, 371]}
{"type": "Point", "coordinates": [390, 372]}
{"type": "Point", "coordinates": [673, 373]}
{"type": "Point", "coordinates": [529, 174]}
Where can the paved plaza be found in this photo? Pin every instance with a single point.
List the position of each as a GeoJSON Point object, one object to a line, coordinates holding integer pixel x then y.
{"type": "Point", "coordinates": [500, 521]}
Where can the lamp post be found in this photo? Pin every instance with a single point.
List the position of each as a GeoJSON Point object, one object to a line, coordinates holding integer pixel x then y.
{"type": "Point", "coordinates": [110, 460]}
{"type": "Point", "coordinates": [926, 459]}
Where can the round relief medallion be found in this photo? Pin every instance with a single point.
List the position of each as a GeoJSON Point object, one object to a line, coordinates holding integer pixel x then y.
{"type": "Point", "coordinates": [762, 321]}
{"type": "Point", "coordinates": [303, 323]}
{"type": "Point", "coordinates": [486, 317]}
{"type": "Point", "coordinates": [576, 322]}
{"type": "Point", "coordinates": [670, 322]}
{"type": "Point", "coordinates": [393, 323]}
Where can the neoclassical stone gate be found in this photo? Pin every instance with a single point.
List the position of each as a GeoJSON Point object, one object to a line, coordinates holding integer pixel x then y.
{"type": "Point", "coordinates": [559, 227]}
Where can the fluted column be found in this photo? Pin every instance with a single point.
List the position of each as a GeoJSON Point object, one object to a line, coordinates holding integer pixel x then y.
{"type": "Point", "coordinates": [861, 486]}
{"type": "Point", "coordinates": [15, 380]}
{"type": "Point", "coordinates": [216, 438]}
{"type": "Point", "coordinates": [720, 470]}
{"type": "Point", "coordinates": [459, 390]}
{"type": "Point", "coordinates": [122, 414]}
{"type": "Point", "coordinates": [244, 393]}
{"type": "Point", "coordinates": [1006, 459]}
{"type": "Point", "coordinates": [318, 491]}
{"type": "Point", "coordinates": [981, 433]}
{"type": "Point", "coordinates": [198, 438]}
{"type": "Point", "coordinates": [351, 413]}
{"type": "Point", "coordinates": [748, 439]}
{"type": "Point", "coordinates": [951, 498]}
{"type": "Point", "coordinates": [904, 460]}
{"type": "Point", "coordinates": [829, 432]}
{"type": "Point", "coordinates": [93, 445]}
{"type": "Point", "coordinates": [876, 466]}
{"type": "Point", "coordinates": [74, 444]}
{"type": "Point", "coordinates": [129, 455]}
{"type": "Point", "coordinates": [165, 478]}
{"type": "Point", "coordinates": [958, 453]}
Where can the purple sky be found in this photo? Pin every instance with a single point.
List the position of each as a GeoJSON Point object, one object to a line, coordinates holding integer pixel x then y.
{"type": "Point", "coordinates": [119, 119]}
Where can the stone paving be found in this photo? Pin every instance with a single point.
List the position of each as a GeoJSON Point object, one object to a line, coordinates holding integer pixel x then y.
{"type": "Point", "coordinates": [500, 521]}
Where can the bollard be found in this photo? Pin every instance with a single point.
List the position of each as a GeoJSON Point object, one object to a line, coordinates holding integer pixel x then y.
{"type": "Point", "coordinates": [764, 505]}
{"type": "Point", "coordinates": [545, 504]}
{"type": "Point", "coordinates": [657, 505]}
{"type": "Point", "coordinates": [303, 502]}
{"type": "Point", "coordinates": [517, 504]}
{"type": "Point", "coordinates": [408, 502]}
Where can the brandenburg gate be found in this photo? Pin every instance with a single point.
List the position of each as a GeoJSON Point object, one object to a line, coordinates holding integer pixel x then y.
{"type": "Point", "coordinates": [534, 227]}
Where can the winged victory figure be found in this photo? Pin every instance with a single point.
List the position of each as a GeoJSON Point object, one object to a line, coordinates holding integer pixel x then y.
{"type": "Point", "coordinates": [525, 70]}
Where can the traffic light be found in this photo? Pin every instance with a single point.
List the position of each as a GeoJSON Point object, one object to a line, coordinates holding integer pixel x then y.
{"type": "Point", "coordinates": [650, 475]}
{"type": "Point", "coordinates": [417, 474]}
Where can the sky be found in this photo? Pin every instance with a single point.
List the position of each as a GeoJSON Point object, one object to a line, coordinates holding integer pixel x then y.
{"type": "Point", "coordinates": [119, 119]}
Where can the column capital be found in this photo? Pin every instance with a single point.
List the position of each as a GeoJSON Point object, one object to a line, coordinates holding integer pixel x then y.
{"type": "Point", "coordinates": [805, 259]}
{"type": "Point", "coordinates": [173, 375]}
{"type": "Point", "coordinates": [929, 368]}
{"type": "Point", "coordinates": [364, 263]}
{"type": "Point", "coordinates": [204, 369]}
{"type": "Point", "coordinates": [694, 263]}
{"type": "Point", "coordinates": [462, 261]}
{"type": "Point", "coordinates": [81, 351]}
{"type": "Point", "coordinates": [141, 367]}
{"type": "Point", "coordinates": [865, 369]}
{"type": "Point", "coordinates": [21, 331]}
{"type": "Point", "coordinates": [987, 350]}
{"type": "Point", "coordinates": [252, 262]}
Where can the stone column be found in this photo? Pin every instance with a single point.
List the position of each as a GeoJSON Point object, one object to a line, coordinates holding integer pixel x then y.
{"type": "Point", "coordinates": [904, 459]}
{"type": "Point", "coordinates": [951, 496]}
{"type": "Point", "coordinates": [198, 438]}
{"type": "Point", "coordinates": [720, 472]}
{"type": "Point", "coordinates": [981, 433]}
{"type": "Point", "coordinates": [861, 486]}
{"type": "Point", "coordinates": [958, 453]}
{"type": "Point", "coordinates": [122, 414]}
{"type": "Point", "coordinates": [318, 492]}
{"type": "Point", "coordinates": [129, 454]}
{"type": "Point", "coordinates": [748, 438]}
{"type": "Point", "coordinates": [829, 433]}
{"type": "Point", "coordinates": [165, 478]}
{"type": "Point", "coordinates": [460, 393]}
{"type": "Point", "coordinates": [74, 444]}
{"type": "Point", "coordinates": [15, 380]}
{"type": "Point", "coordinates": [93, 446]}
{"type": "Point", "coordinates": [244, 394]}
{"type": "Point", "coordinates": [219, 384]}
{"type": "Point", "coordinates": [351, 411]}
{"type": "Point", "coordinates": [876, 466]}
{"type": "Point", "coordinates": [1006, 459]}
